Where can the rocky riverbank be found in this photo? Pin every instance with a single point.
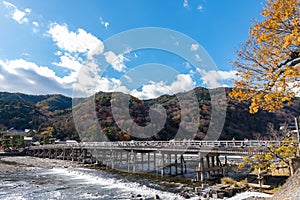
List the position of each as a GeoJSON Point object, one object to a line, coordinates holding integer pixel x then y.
{"type": "Point", "coordinates": [291, 189]}
{"type": "Point", "coordinates": [184, 186]}
{"type": "Point", "coordinates": [18, 164]}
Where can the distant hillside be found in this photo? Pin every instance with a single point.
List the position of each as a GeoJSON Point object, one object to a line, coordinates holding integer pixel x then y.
{"type": "Point", "coordinates": [47, 102]}
{"type": "Point", "coordinates": [22, 97]}
{"type": "Point", "coordinates": [55, 102]}
{"type": "Point", "coordinates": [21, 111]}
{"type": "Point", "coordinates": [239, 123]}
{"type": "Point", "coordinates": [40, 112]}
{"type": "Point", "coordinates": [19, 114]}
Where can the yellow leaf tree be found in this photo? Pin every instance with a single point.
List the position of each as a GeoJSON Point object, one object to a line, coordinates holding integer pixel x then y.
{"type": "Point", "coordinates": [284, 152]}
{"type": "Point", "coordinates": [280, 153]}
{"type": "Point", "coordinates": [269, 63]}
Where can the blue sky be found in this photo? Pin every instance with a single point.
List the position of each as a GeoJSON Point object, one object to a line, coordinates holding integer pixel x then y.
{"type": "Point", "coordinates": [53, 46]}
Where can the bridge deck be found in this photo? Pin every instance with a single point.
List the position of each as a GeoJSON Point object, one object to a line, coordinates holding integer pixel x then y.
{"type": "Point", "coordinates": [155, 156]}
{"type": "Point", "coordinates": [189, 146]}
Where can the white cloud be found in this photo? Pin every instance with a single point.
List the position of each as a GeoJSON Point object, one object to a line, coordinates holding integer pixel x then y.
{"type": "Point", "coordinates": [116, 61]}
{"type": "Point", "coordinates": [58, 53]}
{"type": "Point", "coordinates": [87, 85]}
{"type": "Point", "coordinates": [192, 72]}
{"type": "Point", "coordinates": [110, 85]}
{"type": "Point", "coordinates": [104, 23]}
{"type": "Point", "coordinates": [27, 77]}
{"type": "Point", "coordinates": [200, 8]}
{"type": "Point", "coordinates": [15, 66]}
{"type": "Point", "coordinates": [35, 23]}
{"type": "Point", "coordinates": [79, 41]}
{"type": "Point", "coordinates": [183, 83]}
{"type": "Point", "coordinates": [185, 3]}
{"type": "Point", "coordinates": [151, 90]}
{"type": "Point", "coordinates": [215, 78]}
{"type": "Point", "coordinates": [25, 54]}
{"type": "Point", "coordinates": [128, 78]}
{"type": "Point", "coordinates": [70, 62]}
{"type": "Point", "coordinates": [187, 65]}
{"type": "Point", "coordinates": [35, 26]}
{"type": "Point", "coordinates": [198, 58]}
{"type": "Point", "coordinates": [76, 54]}
{"type": "Point", "coordinates": [16, 14]}
{"type": "Point", "coordinates": [28, 10]}
{"type": "Point", "coordinates": [194, 47]}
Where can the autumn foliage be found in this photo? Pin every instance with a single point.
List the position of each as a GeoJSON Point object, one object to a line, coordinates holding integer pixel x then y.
{"type": "Point", "coordinates": [269, 63]}
{"type": "Point", "coordinates": [282, 153]}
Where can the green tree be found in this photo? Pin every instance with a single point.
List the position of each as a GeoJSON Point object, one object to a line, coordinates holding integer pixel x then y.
{"type": "Point", "coordinates": [92, 134]}
{"type": "Point", "coordinates": [31, 133]}
{"type": "Point", "coordinates": [47, 135]}
{"type": "Point", "coordinates": [6, 141]}
{"type": "Point", "coordinates": [17, 141]}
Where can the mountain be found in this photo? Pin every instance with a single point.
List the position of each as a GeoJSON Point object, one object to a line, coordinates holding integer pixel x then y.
{"type": "Point", "coordinates": [49, 102]}
{"type": "Point", "coordinates": [55, 102]}
{"type": "Point", "coordinates": [22, 111]}
{"type": "Point", "coordinates": [19, 114]}
{"type": "Point", "coordinates": [93, 115]}
{"type": "Point", "coordinates": [239, 123]}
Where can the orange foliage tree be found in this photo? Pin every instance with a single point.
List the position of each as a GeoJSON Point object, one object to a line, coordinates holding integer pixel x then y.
{"type": "Point", "coordinates": [269, 63]}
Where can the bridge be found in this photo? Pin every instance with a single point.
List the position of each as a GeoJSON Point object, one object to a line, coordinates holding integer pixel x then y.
{"type": "Point", "coordinates": [166, 157]}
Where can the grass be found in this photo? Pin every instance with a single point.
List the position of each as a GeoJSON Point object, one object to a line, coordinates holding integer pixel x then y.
{"type": "Point", "coordinates": [243, 183]}
{"type": "Point", "coordinates": [273, 191]}
{"type": "Point", "coordinates": [228, 181]}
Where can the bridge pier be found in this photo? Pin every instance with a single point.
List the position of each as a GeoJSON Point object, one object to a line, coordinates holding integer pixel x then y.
{"type": "Point", "coordinates": [176, 166]}
{"type": "Point", "coordinates": [148, 163]}
{"type": "Point", "coordinates": [213, 166]}
{"type": "Point", "coordinates": [128, 161]}
{"type": "Point", "coordinates": [169, 160]}
{"type": "Point", "coordinates": [160, 156]}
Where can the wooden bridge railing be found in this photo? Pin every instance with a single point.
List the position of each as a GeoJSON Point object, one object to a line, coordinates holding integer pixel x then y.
{"type": "Point", "coordinates": [167, 144]}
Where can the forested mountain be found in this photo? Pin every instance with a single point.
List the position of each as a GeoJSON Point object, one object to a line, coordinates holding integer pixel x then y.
{"type": "Point", "coordinates": [22, 111]}
{"type": "Point", "coordinates": [239, 123]}
{"type": "Point", "coordinates": [38, 112]}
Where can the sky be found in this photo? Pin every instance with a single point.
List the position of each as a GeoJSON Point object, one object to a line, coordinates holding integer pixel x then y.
{"type": "Point", "coordinates": [145, 48]}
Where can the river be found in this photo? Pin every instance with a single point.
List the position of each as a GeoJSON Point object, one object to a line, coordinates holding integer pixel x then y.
{"type": "Point", "coordinates": [64, 182]}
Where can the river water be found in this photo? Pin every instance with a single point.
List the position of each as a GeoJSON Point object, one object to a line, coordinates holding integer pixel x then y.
{"type": "Point", "coordinates": [57, 179]}
{"type": "Point", "coordinates": [73, 184]}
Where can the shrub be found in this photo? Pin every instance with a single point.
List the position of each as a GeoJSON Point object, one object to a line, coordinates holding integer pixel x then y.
{"type": "Point", "coordinates": [228, 181]}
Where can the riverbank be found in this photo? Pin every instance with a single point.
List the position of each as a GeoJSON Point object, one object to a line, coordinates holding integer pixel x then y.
{"type": "Point", "coordinates": [36, 178]}
{"type": "Point", "coordinates": [177, 185]}
{"type": "Point", "coordinates": [21, 164]}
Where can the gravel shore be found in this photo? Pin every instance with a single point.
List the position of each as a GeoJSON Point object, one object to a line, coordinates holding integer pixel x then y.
{"type": "Point", "coordinates": [18, 164]}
